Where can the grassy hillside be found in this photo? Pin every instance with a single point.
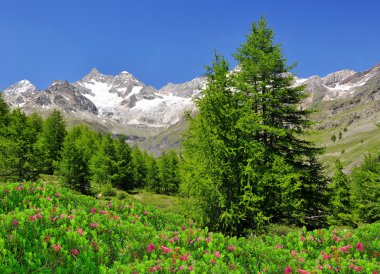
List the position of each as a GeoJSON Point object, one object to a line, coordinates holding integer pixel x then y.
{"type": "Point", "coordinates": [48, 229]}
{"type": "Point", "coordinates": [358, 124]}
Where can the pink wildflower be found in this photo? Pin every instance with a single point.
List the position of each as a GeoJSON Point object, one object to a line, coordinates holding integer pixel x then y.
{"type": "Point", "coordinates": [231, 248]}
{"type": "Point", "coordinates": [182, 267]}
{"type": "Point", "coordinates": [103, 212]}
{"type": "Point", "coordinates": [190, 268]}
{"type": "Point", "coordinates": [70, 217]}
{"type": "Point", "coordinates": [288, 270]}
{"type": "Point", "coordinates": [199, 239]}
{"type": "Point", "coordinates": [15, 222]}
{"type": "Point", "coordinates": [145, 212]}
{"type": "Point", "coordinates": [326, 257]}
{"type": "Point", "coordinates": [320, 267]}
{"type": "Point", "coordinates": [137, 216]}
{"type": "Point", "coordinates": [345, 248]}
{"type": "Point", "coordinates": [311, 238]}
{"type": "Point", "coordinates": [208, 240]}
{"type": "Point", "coordinates": [166, 249]}
{"type": "Point", "coordinates": [58, 194]}
{"type": "Point", "coordinates": [56, 248]}
{"type": "Point", "coordinates": [279, 246]}
{"type": "Point", "coordinates": [75, 252]}
{"type": "Point", "coordinates": [32, 218]}
{"type": "Point", "coordinates": [94, 225]}
{"type": "Point", "coordinates": [182, 228]}
{"type": "Point", "coordinates": [48, 198]}
{"type": "Point", "coordinates": [150, 247]}
{"type": "Point", "coordinates": [217, 254]}
{"type": "Point", "coordinates": [302, 239]}
{"type": "Point", "coordinates": [360, 246]}
{"type": "Point", "coordinates": [80, 231]}
{"type": "Point", "coordinates": [93, 211]}
{"type": "Point", "coordinates": [184, 257]}
{"type": "Point", "coordinates": [294, 253]}
{"type": "Point", "coordinates": [301, 271]}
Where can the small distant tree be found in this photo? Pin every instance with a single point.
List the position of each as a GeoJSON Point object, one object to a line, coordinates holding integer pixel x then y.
{"type": "Point", "coordinates": [103, 164]}
{"type": "Point", "coordinates": [340, 211]}
{"type": "Point", "coordinates": [340, 135]}
{"type": "Point", "coordinates": [333, 138]}
{"type": "Point", "coordinates": [51, 140]}
{"type": "Point", "coordinates": [74, 167]}
{"type": "Point", "coordinates": [124, 170]}
{"type": "Point", "coordinates": [153, 181]}
{"type": "Point", "coordinates": [139, 168]}
{"type": "Point", "coordinates": [4, 109]}
{"type": "Point", "coordinates": [168, 172]}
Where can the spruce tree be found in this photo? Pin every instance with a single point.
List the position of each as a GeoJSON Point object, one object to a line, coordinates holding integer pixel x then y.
{"type": "Point", "coordinates": [245, 160]}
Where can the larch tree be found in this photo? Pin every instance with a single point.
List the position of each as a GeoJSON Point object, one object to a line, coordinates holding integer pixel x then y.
{"type": "Point", "coordinates": [51, 140]}
{"type": "Point", "coordinates": [246, 162]}
{"type": "Point", "coordinates": [340, 198]}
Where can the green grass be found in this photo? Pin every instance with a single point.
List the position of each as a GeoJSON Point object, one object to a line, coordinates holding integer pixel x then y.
{"type": "Point", "coordinates": [163, 202]}
{"type": "Point", "coordinates": [361, 138]}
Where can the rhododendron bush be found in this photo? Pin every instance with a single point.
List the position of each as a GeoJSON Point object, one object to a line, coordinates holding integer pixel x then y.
{"type": "Point", "coordinates": [48, 229]}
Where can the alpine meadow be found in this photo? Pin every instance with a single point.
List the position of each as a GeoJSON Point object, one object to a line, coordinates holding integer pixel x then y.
{"type": "Point", "coordinates": [246, 189]}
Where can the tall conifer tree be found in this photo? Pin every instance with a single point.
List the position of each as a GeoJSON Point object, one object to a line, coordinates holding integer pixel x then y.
{"type": "Point", "coordinates": [245, 160]}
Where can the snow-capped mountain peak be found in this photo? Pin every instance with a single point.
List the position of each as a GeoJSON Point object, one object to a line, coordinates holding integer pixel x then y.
{"type": "Point", "coordinates": [19, 93]}
{"type": "Point", "coordinates": [20, 88]}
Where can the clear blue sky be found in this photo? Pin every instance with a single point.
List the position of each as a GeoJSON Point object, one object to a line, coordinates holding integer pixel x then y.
{"type": "Point", "coordinates": [162, 41]}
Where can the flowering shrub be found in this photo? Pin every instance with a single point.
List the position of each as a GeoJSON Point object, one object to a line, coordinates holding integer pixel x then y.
{"type": "Point", "coordinates": [78, 234]}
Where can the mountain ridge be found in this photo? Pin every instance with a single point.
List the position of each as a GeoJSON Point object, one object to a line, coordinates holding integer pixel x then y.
{"type": "Point", "coordinates": [122, 104]}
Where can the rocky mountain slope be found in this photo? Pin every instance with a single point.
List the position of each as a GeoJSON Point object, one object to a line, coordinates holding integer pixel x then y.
{"type": "Point", "coordinates": [347, 105]}
{"type": "Point", "coordinates": [121, 103]}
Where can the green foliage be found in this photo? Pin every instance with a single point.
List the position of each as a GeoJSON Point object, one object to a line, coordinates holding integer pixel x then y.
{"type": "Point", "coordinates": [78, 148]}
{"type": "Point", "coordinates": [333, 138]}
{"type": "Point", "coordinates": [103, 163]}
{"type": "Point", "coordinates": [123, 166]}
{"type": "Point", "coordinates": [340, 198]}
{"type": "Point", "coordinates": [18, 151]}
{"type": "Point", "coordinates": [4, 108]}
{"type": "Point", "coordinates": [366, 190]}
{"type": "Point", "coordinates": [48, 229]}
{"type": "Point", "coordinates": [139, 167]}
{"type": "Point", "coordinates": [168, 173]}
{"type": "Point", "coordinates": [245, 161]}
{"type": "Point", "coordinates": [51, 140]}
{"type": "Point", "coordinates": [153, 174]}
